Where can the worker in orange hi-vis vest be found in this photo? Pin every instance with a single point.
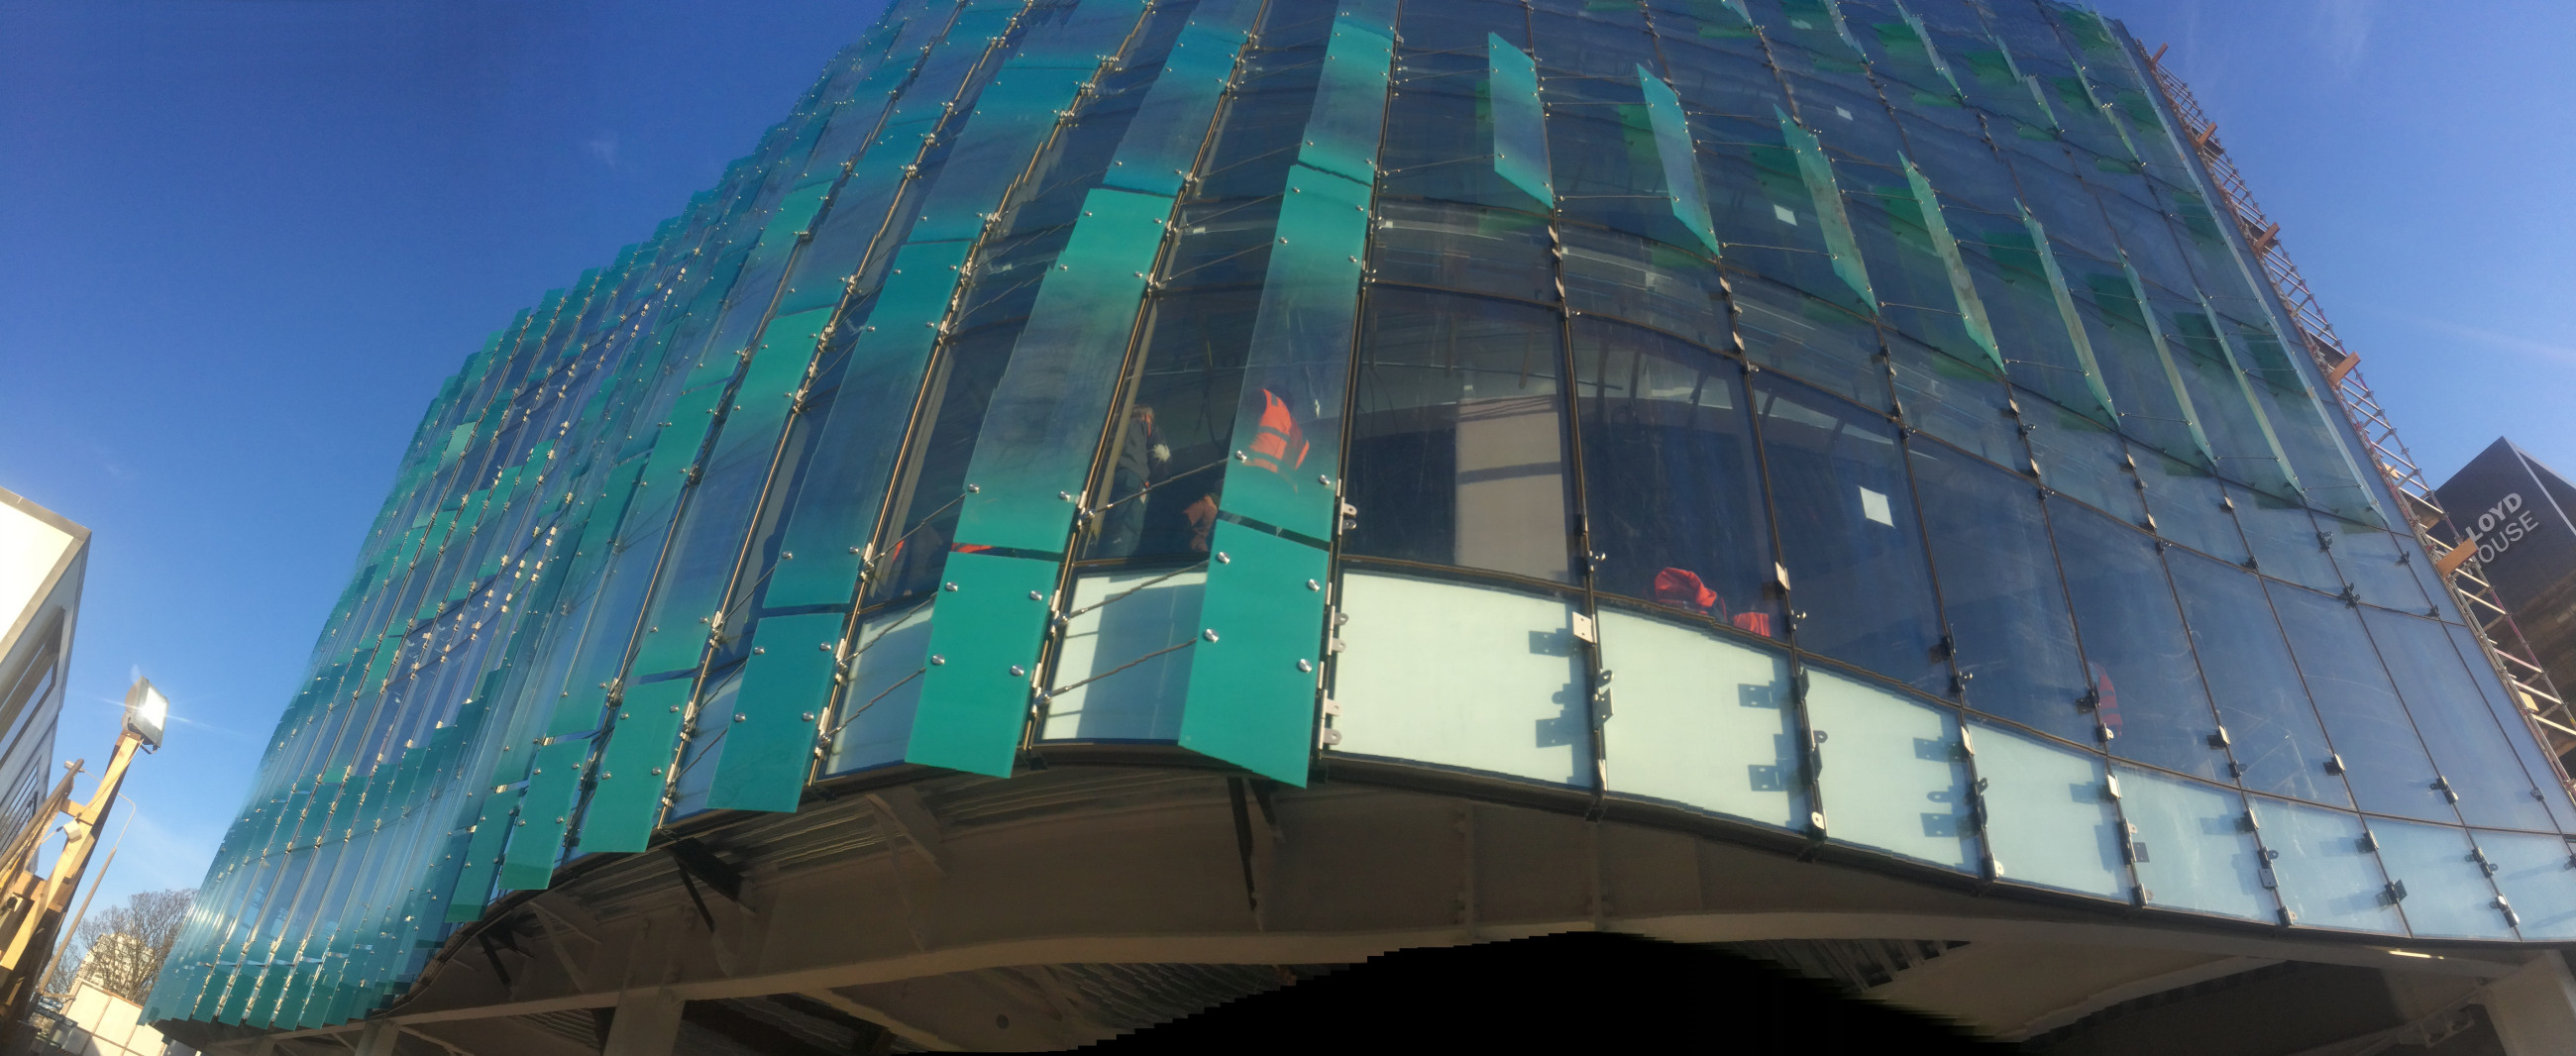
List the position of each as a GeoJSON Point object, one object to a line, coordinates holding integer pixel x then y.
{"type": "Point", "coordinates": [1278, 445]}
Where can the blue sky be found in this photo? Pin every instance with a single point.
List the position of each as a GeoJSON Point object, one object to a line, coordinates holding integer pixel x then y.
{"type": "Point", "coordinates": [242, 241]}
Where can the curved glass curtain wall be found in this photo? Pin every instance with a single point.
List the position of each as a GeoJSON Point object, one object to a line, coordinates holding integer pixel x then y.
{"type": "Point", "coordinates": [1850, 418]}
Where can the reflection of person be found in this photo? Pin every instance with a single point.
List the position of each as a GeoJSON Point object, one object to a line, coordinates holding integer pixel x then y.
{"type": "Point", "coordinates": [915, 561]}
{"type": "Point", "coordinates": [1682, 589]}
{"type": "Point", "coordinates": [1280, 445]}
{"type": "Point", "coordinates": [2106, 700]}
{"type": "Point", "coordinates": [1141, 455]}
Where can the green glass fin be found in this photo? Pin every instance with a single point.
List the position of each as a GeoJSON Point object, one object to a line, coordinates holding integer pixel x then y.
{"type": "Point", "coordinates": [1287, 424]}
{"type": "Point", "coordinates": [786, 685]}
{"type": "Point", "coordinates": [1819, 176]}
{"type": "Point", "coordinates": [1680, 158]}
{"type": "Point", "coordinates": [1350, 101]}
{"type": "Point", "coordinates": [983, 645]}
{"type": "Point", "coordinates": [627, 801]}
{"type": "Point", "coordinates": [1963, 285]}
{"type": "Point", "coordinates": [1252, 672]}
{"type": "Point", "coordinates": [2093, 384]}
{"type": "Point", "coordinates": [1520, 120]}
{"type": "Point", "coordinates": [1047, 411]}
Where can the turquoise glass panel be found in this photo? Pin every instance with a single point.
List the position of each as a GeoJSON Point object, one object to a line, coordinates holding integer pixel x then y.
{"type": "Point", "coordinates": [2050, 818]}
{"type": "Point", "coordinates": [1163, 140]}
{"type": "Point", "coordinates": [770, 383]}
{"type": "Point", "coordinates": [1012, 116]}
{"type": "Point", "coordinates": [1043, 424]}
{"type": "Point", "coordinates": [1350, 101]}
{"type": "Point", "coordinates": [1818, 174]}
{"type": "Point", "coordinates": [1894, 774]}
{"type": "Point", "coordinates": [1520, 121]}
{"type": "Point", "coordinates": [975, 693]}
{"type": "Point", "coordinates": [675, 448]}
{"type": "Point", "coordinates": [770, 737]}
{"type": "Point", "coordinates": [829, 526]}
{"type": "Point", "coordinates": [1286, 427]}
{"type": "Point", "coordinates": [2321, 863]}
{"type": "Point", "coordinates": [1680, 158]}
{"type": "Point", "coordinates": [1252, 671]}
{"type": "Point", "coordinates": [1702, 720]}
{"type": "Point", "coordinates": [544, 814]}
{"type": "Point", "coordinates": [628, 799]}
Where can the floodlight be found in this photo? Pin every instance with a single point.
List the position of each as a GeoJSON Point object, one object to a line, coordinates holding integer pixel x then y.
{"type": "Point", "coordinates": [146, 711]}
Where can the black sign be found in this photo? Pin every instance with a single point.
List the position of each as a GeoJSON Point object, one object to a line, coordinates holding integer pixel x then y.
{"type": "Point", "coordinates": [2523, 538]}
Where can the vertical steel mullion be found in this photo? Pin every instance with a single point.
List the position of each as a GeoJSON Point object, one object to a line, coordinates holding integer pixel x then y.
{"type": "Point", "coordinates": [1596, 678]}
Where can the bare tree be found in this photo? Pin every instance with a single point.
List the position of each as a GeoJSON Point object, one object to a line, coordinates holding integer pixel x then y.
{"type": "Point", "coordinates": [121, 950]}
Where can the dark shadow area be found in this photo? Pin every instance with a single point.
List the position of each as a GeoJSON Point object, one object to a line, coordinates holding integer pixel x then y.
{"type": "Point", "coordinates": [1589, 990]}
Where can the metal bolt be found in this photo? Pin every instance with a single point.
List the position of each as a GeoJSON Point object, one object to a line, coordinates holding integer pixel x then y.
{"type": "Point", "coordinates": [950, 587]}
{"type": "Point", "coordinates": [1312, 585]}
{"type": "Point", "coordinates": [1018, 671]}
{"type": "Point", "coordinates": [1305, 665]}
{"type": "Point", "coordinates": [809, 716]}
{"type": "Point", "coordinates": [740, 717]}
{"type": "Point", "coordinates": [936, 659]}
{"type": "Point", "coordinates": [1035, 596]}
{"type": "Point", "coordinates": [1222, 559]}
{"type": "Point", "coordinates": [1210, 634]}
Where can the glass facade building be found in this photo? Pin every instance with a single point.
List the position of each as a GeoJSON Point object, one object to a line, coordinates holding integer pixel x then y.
{"type": "Point", "coordinates": [1838, 424]}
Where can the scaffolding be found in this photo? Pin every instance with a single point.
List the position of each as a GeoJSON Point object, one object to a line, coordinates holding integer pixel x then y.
{"type": "Point", "coordinates": [2506, 649]}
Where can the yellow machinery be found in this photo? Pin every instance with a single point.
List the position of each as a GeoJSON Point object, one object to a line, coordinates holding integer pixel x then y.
{"type": "Point", "coordinates": [31, 905]}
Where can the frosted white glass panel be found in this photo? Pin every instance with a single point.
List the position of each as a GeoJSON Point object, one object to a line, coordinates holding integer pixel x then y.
{"type": "Point", "coordinates": [1461, 675]}
{"type": "Point", "coordinates": [2539, 879]}
{"type": "Point", "coordinates": [2049, 814]}
{"type": "Point", "coordinates": [2447, 895]}
{"type": "Point", "coordinates": [2325, 876]}
{"type": "Point", "coordinates": [1143, 702]}
{"type": "Point", "coordinates": [1701, 720]}
{"type": "Point", "coordinates": [884, 687]}
{"type": "Point", "coordinates": [1895, 776]}
{"type": "Point", "coordinates": [2194, 849]}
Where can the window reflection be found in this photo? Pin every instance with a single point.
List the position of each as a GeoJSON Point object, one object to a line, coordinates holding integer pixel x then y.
{"type": "Point", "coordinates": [1457, 454]}
{"type": "Point", "coordinates": [1848, 536]}
{"type": "Point", "coordinates": [2000, 589]}
{"type": "Point", "coordinates": [1168, 454]}
{"type": "Point", "coordinates": [2382, 757]}
{"type": "Point", "coordinates": [2144, 688]}
{"type": "Point", "coordinates": [2279, 746]}
{"type": "Point", "coordinates": [1674, 492]}
{"type": "Point", "coordinates": [2467, 746]}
